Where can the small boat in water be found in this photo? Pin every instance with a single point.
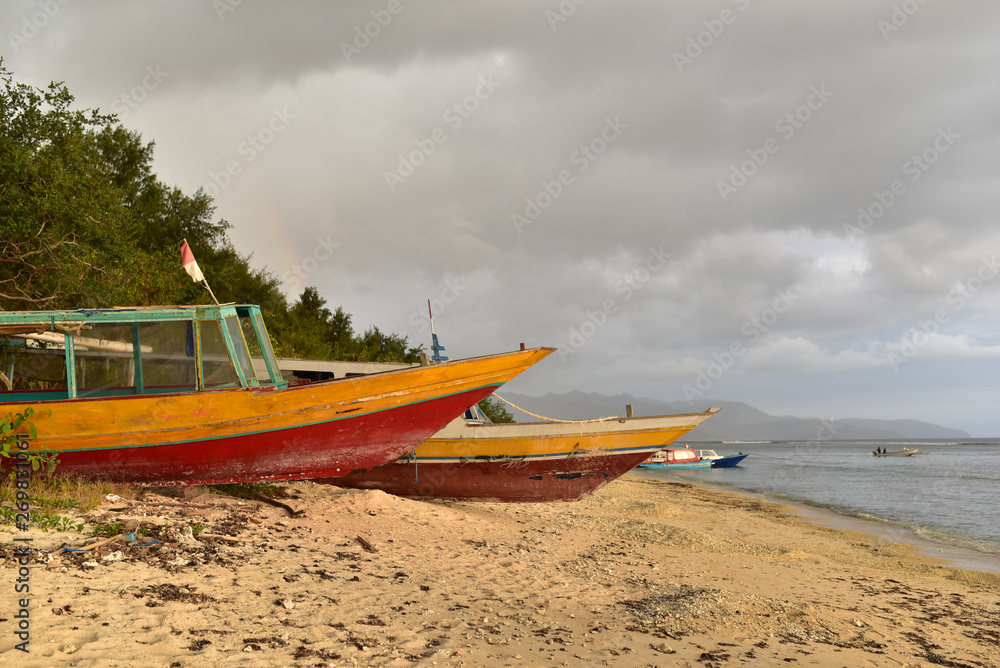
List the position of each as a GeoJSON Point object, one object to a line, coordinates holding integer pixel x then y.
{"type": "Point", "coordinates": [905, 452]}
{"type": "Point", "coordinates": [474, 459]}
{"type": "Point", "coordinates": [676, 458]}
{"type": "Point", "coordinates": [721, 461]}
{"type": "Point", "coordinates": [172, 395]}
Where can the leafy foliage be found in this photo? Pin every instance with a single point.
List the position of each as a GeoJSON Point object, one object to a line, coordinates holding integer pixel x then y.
{"type": "Point", "coordinates": [85, 223]}
{"type": "Point", "coordinates": [495, 410]}
{"type": "Point", "coordinates": [311, 330]}
{"type": "Point", "coordinates": [10, 426]}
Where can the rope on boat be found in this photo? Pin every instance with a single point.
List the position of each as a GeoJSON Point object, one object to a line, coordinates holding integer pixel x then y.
{"type": "Point", "coordinates": [548, 419]}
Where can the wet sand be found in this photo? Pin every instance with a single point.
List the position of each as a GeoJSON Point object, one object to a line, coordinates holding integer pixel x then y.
{"type": "Point", "coordinates": [643, 573]}
{"type": "Point", "coordinates": [948, 555]}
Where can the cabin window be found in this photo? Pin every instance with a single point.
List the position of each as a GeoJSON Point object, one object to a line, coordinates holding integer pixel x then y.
{"type": "Point", "coordinates": [262, 358]}
{"type": "Point", "coordinates": [266, 351]}
{"type": "Point", "coordinates": [168, 357]}
{"type": "Point", "coordinates": [33, 363]}
{"type": "Point", "coordinates": [216, 366]}
{"type": "Point", "coordinates": [251, 338]}
{"type": "Point", "coordinates": [241, 350]}
{"type": "Point", "coordinates": [105, 360]}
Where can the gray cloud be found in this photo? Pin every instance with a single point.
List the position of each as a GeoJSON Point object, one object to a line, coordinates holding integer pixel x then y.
{"type": "Point", "coordinates": [807, 114]}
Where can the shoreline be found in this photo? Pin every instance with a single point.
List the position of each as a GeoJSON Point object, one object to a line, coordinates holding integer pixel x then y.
{"type": "Point", "coordinates": [642, 572]}
{"type": "Point", "coordinates": [956, 556]}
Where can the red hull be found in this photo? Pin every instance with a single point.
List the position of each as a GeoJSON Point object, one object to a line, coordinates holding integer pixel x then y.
{"type": "Point", "coordinates": [557, 479]}
{"type": "Point", "coordinates": [329, 449]}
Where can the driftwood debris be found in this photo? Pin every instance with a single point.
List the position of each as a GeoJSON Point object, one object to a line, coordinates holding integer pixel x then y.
{"type": "Point", "coordinates": [367, 544]}
{"type": "Point", "coordinates": [92, 546]}
{"type": "Point", "coordinates": [266, 499]}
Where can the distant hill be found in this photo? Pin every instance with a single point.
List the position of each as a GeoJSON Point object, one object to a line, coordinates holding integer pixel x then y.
{"type": "Point", "coordinates": [737, 421]}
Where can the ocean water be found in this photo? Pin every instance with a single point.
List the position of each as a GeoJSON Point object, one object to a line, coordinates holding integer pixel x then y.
{"type": "Point", "coordinates": [951, 495]}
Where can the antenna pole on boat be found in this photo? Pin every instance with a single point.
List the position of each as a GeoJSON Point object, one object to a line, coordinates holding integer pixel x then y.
{"type": "Point", "coordinates": [436, 347]}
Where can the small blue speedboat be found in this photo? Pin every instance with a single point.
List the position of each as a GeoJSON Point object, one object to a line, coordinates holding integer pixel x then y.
{"type": "Point", "coordinates": [726, 462]}
{"type": "Point", "coordinates": [722, 461]}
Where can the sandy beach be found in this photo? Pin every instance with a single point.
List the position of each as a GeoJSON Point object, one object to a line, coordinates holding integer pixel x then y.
{"type": "Point", "coordinates": [642, 573]}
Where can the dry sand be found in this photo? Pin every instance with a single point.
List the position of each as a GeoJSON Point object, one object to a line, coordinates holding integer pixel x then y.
{"type": "Point", "coordinates": [643, 573]}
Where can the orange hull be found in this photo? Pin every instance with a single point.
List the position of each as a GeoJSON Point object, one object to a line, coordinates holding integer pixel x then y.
{"type": "Point", "coordinates": [525, 462]}
{"type": "Point", "coordinates": [317, 430]}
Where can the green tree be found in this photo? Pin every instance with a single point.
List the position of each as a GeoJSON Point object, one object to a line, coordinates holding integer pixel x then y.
{"type": "Point", "coordinates": [312, 330]}
{"type": "Point", "coordinates": [495, 410]}
{"type": "Point", "coordinates": [65, 237]}
{"type": "Point", "coordinates": [85, 222]}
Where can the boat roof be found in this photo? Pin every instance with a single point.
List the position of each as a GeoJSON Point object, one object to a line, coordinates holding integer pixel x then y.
{"type": "Point", "coordinates": [126, 314]}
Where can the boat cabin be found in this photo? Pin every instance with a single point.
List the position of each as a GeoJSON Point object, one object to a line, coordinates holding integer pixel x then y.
{"type": "Point", "coordinates": [53, 355]}
{"type": "Point", "coordinates": [675, 456]}
{"type": "Point", "coordinates": [475, 415]}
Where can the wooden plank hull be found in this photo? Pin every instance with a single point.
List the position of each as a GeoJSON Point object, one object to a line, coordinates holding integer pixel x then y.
{"type": "Point", "coordinates": [315, 430]}
{"type": "Point", "coordinates": [525, 462]}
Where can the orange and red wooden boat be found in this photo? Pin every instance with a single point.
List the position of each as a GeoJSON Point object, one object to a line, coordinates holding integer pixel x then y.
{"type": "Point", "coordinates": [170, 395]}
{"type": "Point", "coordinates": [473, 459]}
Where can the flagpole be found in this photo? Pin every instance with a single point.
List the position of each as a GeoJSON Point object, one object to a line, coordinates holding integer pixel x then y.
{"type": "Point", "coordinates": [207, 287]}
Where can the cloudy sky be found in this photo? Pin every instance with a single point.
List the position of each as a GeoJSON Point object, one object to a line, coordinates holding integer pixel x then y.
{"type": "Point", "coordinates": [789, 204]}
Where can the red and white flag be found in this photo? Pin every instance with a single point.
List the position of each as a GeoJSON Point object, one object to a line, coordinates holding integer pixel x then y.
{"type": "Point", "coordinates": [190, 264]}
